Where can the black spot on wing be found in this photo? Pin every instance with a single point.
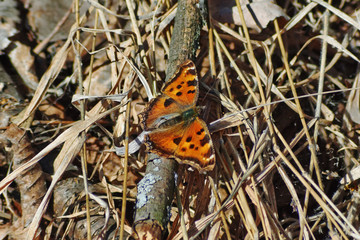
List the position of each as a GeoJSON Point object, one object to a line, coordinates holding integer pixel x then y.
{"type": "Point", "coordinates": [178, 94]}
{"type": "Point", "coordinates": [183, 149]}
{"type": "Point", "coordinates": [171, 89]}
{"type": "Point", "coordinates": [177, 140]}
{"type": "Point", "coordinates": [188, 139]}
{"type": "Point", "coordinates": [168, 102]}
{"type": "Point", "coordinates": [205, 140]}
{"type": "Point", "coordinates": [200, 131]}
{"type": "Point", "coordinates": [178, 86]}
{"type": "Point", "coordinates": [191, 91]}
{"type": "Point", "coordinates": [192, 71]}
{"type": "Point", "coordinates": [192, 146]}
{"type": "Point", "coordinates": [192, 83]}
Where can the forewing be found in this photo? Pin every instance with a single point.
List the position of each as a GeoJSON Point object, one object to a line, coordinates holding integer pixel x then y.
{"type": "Point", "coordinates": [184, 85]}
{"type": "Point", "coordinates": [159, 108]}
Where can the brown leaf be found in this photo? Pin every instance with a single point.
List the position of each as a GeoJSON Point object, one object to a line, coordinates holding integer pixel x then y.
{"type": "Point", "coordinates": [31, 184]}
{"type": "Point", "coordinates": [44, 16]}
{"type": "Point", "coordinates": [353, 103]}
{"type": "Point", "coordinates": [9, 17]}
{"type": "Point", "coordinates": [23, 61]}
{"type": "Point", "coordinates": [257, 13]}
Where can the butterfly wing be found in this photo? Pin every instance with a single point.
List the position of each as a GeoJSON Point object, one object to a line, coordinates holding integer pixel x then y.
{"type": "Point", "coordinates": [159, 108]}
{"type": "Point", "coordinates": [178, 95]}
{"type": "Point", "coordinates": [165, 142]}
{"type": "Point", "coordinates": [196, 147]}
{"type": "Point", "coordinates": [188, 143]}
{"type": "Point", "coordinates": [183, 86]}
{"type": "Point", "coordinates": [187, 140]}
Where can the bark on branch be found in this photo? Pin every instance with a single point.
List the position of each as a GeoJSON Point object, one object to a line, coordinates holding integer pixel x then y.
{"type": "Point", "coordinates": [156, 190]}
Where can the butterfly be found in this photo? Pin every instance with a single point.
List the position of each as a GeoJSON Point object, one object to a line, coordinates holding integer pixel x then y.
{"type": "Point", "coordinates": [172, 125]}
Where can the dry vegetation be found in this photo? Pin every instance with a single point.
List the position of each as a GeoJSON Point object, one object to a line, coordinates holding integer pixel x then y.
{"type": "Point", "coordinates": [283, 112]}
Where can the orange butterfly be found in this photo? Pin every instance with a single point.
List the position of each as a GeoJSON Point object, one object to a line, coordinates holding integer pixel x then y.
{"type": "Point", "coordinates": [173, 128]}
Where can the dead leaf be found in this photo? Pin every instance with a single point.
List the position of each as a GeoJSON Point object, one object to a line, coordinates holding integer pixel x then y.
{"type": "Point", "coordinates": [44, 16]}
{"type": "Point", "coordinates": [100, 81]}
{"type": "Point", "coordinates": [353, 103]}
{"type": "Point", "coordinates": [23, 61]}
{"type": "Point", "coordinates": [31, 183]}
{"type": "Point", "coordinates": [257, 13]}
{"type": "Point", "coordinates": [53, 111]}
{"type": "Point", "coordinates": [9, 17]}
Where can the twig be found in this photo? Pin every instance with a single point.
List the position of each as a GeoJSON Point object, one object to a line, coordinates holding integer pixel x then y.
{"type": "Point", "coordinates": [156, 190]}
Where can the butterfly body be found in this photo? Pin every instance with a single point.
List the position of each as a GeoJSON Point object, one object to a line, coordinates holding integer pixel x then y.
{"type": "Point", "coordinates": [173, 126]}
{"type": "Point", "coordinates": [187, 117]}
